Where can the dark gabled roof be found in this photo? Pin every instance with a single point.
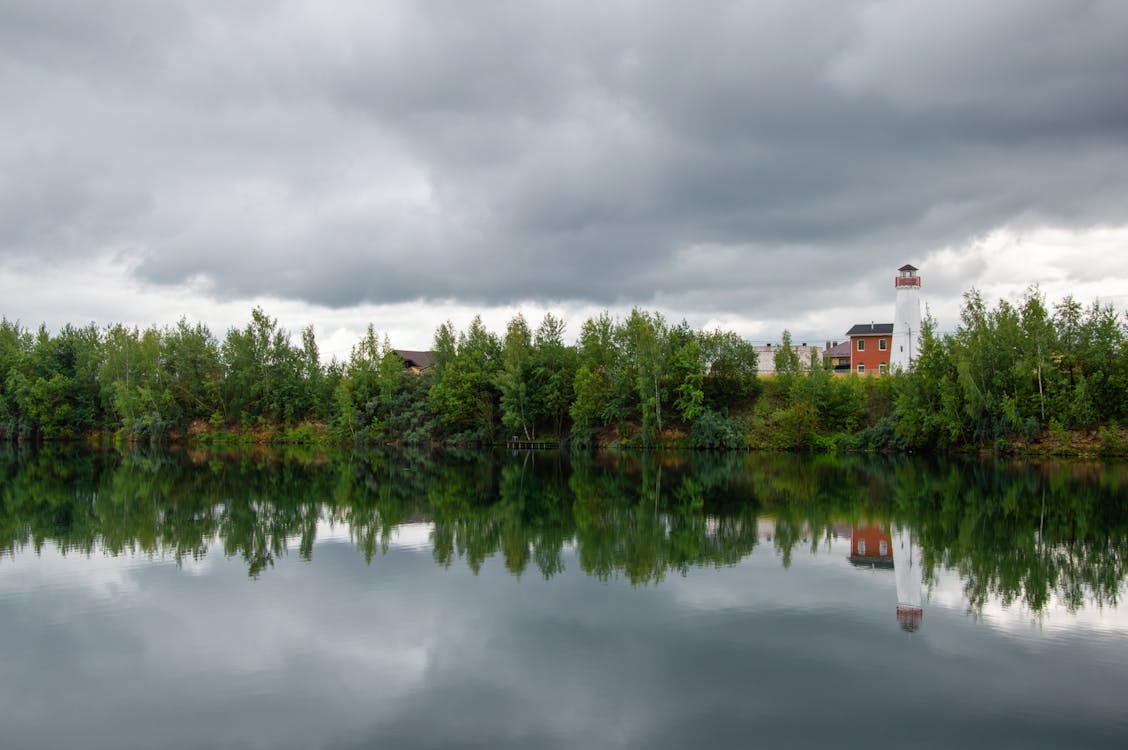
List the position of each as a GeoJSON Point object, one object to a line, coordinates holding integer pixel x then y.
{"type": "Point", "coordinates": [870, 329]}
{"type": "Point", "coordinates": [841, 349]}
{"type": "Point", "coordinates": [422, 360]}
{"type": "Point", "coordinates": [871, 561]}
{"type": "Point", "coordinates": [907, 267]}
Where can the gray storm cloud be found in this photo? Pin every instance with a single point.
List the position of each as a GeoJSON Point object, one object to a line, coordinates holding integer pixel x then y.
{"type": "Point", "coordinates": [610, 152]}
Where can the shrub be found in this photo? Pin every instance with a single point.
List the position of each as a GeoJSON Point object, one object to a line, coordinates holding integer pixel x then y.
{"type": "Point", "coordinates": [880, 438]}
{"type": "Point", "coordinates": [1062, 441]}
{"type": "Point", "coordinates": [796, 426]}
{"type": "Point", "coordinates": [715, 430]}
{"type": "Point", "coordinates": [1112, 441]}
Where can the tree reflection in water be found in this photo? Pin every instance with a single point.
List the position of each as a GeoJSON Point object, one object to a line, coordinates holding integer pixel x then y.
{"type": "Point", "coordinates": [1020, 532]}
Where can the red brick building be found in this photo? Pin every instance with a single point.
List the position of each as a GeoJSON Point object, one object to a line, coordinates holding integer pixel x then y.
{"type": "Point", "coordinates": [871, 546]}
{"type": "Point", "coordinates": [870, 344]}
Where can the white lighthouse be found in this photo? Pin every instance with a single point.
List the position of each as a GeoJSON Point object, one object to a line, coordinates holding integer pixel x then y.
{"type": "Point", "coordinates": [906, 319]}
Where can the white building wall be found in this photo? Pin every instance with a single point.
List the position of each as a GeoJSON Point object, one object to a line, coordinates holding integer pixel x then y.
{"type": "Point", "coordinates": [765, 357]}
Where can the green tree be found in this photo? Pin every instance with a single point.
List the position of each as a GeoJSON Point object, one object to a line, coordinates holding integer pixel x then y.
{"type": "Point", "coordinates": [686, 372]}
{"type": "Point", "coordinates": [362, 393]}
{"type": "Point", "coordinates": [267, 377]}
{"type": "Point", "coordinates": [133, 389]}
{"type": "Point", "coordinates": [58, 387]}
{"type": "Point", "coordinates": [928, 412]}
{"type": "Point", "coordinates": [465, 395]}
{"type": "Point", "coordinates": [731, 369]}
{"type": "Point", "coordinates": [786, 359]}
{"type": "Point", "coordinates": [190, 363]}
{"type": "Point", "coordinates": [15, 346]}
{"type": "Point", "coordinates": [599, 399]}
{"type": "Point", "coordinates": [643, 337]}
{"type": "Point", "coordinates": [518, 397]}
{"type": "Point", "coordinates": [554, 371]}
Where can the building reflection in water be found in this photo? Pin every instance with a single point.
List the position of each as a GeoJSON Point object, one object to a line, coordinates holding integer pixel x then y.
{"type": "Point", "coordinates": [873, 546]}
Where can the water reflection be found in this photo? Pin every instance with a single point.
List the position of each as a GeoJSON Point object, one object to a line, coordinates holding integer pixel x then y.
{"type": "Point", "coordinates": [875, 546]}
{"type": "Point", "coordinates": [534, 601]}
{"type": "Point", "coordinates": [1016, 533]}
{"type": "Point", "coordinates": [906, 567]}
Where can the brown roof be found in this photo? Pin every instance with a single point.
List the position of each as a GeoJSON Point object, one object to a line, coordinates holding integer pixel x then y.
{"type": "Point", "coordinates": [422, 360]}
{"type": "Point", "coordinates": [841, 349]}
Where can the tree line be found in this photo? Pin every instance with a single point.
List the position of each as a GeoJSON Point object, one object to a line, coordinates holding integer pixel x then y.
{"type": "Point", "coordinates": [1005, 375]}
{"type": "Point", "coordinates": [1009, 373]}
{"type": "Point", "coordinates": [483, 386]}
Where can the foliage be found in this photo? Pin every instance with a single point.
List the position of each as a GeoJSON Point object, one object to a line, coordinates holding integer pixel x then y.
{"type": "Point", "coordinates": [1017, 532]}
{"type": "Point", "coordinates": [465, 396]}
{"type": "Point", "coordinates": [1112, 441]}
{"type": "Point", "coordinates": [520, 398]}
{"type": "Point", "coordinates": [717, 431]}
{"type": "Point", "coordinates": [786, 359]}
{"type": "Point", "coordinates": [730, 365]}
{"type": "Point", "coordinates": [1017, 376]}
{"type": "Point", "coordinates": [1006, 371]}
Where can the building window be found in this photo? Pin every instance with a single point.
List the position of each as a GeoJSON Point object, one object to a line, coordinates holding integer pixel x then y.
{"type": "Point", "coordinates": [861, 367]}
{"type": "Point", "coordinates": [883, 547]}
{"type": "Point", "coordinates": [861, 547]}
{"type": "Point", "coordinates": [881, 368]}
{"type": "Point", "coordinates": [882, 344]}
{"type": "Point", "coordinates": [861, 345]}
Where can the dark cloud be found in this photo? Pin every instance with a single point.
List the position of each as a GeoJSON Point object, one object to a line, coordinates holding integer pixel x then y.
{"type": "Point", "coordinates": [604, 153]}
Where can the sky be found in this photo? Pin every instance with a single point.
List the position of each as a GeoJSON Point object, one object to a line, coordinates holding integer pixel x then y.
{"type": "Point", "coordinates": [753, 166]}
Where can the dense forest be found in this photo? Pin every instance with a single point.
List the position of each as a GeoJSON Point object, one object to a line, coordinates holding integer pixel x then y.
{"type": "Point", "coordinates": [1004, 377]}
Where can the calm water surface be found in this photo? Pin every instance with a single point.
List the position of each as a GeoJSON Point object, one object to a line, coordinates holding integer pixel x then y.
{"type": "Point", "coordinates": [401, 601]}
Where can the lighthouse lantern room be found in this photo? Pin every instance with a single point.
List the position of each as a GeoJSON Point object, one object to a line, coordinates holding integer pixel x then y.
{"type": "Point", "coordinates": [907, 276]}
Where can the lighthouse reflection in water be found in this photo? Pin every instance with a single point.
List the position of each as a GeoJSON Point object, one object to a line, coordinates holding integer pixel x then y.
{"type": "Point", "coordinates": [906, 569]}
{"type": "Point", "coordinates": [874, 546]}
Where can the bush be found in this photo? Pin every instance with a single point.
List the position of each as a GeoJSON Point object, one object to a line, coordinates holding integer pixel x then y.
{"type": "Point", "coordinates": [796, 426]}
{"type": "Point", "coordinates": [1062, 441]}
{"type": "Point", "coordinates": [880, 438]}
{"type": "Point", "coordinates": [827, 443]}
{"type": "Point", "coordinates": [1112, 441]}
{"type": "Point", "coordinates": [302, 434]}
{"type": "Point", "coordinates": [714, 430]}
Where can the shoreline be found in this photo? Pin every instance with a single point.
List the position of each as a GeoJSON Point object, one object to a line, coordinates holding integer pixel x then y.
{"type": "Point", "coordinates": [1089, 444]}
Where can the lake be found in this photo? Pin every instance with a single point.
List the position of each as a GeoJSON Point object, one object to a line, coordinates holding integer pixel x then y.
{"type": "Point", "coordinates": [413, 600]}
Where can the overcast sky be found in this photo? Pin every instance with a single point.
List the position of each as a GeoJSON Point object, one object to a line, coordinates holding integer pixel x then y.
{"type": "Point", "coordinates": [751, 165]}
